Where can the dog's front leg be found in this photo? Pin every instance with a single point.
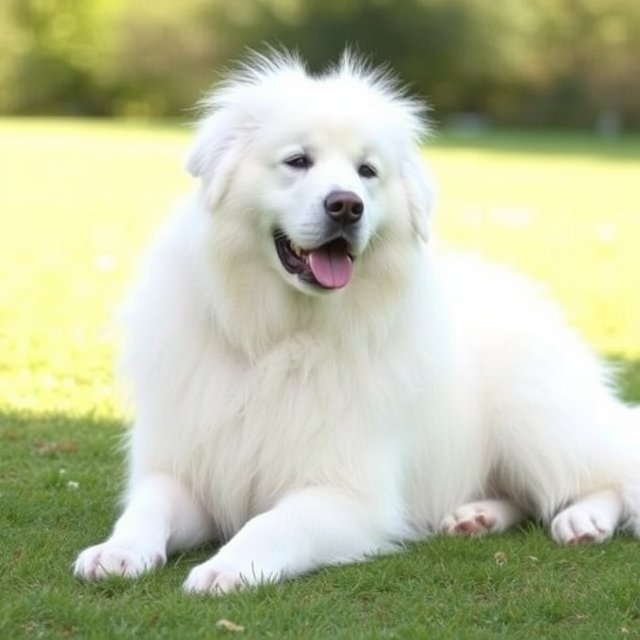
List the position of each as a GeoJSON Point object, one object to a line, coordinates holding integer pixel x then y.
{"type": "Point", "coordinates": [159, 516]}
{"type": "Point", "coordinates": [307, 529]}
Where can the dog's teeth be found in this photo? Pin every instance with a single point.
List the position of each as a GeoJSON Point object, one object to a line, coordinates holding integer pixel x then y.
{"type": "Point", "coordinates": [296, 249]}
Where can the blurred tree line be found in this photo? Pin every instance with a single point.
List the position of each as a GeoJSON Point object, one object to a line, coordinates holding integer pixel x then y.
{"type": "Point", "coordinates": [524, 62]}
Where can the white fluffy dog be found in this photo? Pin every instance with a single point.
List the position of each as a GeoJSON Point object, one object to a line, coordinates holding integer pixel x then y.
{"type": "Point", "coordinates": [312, 386]}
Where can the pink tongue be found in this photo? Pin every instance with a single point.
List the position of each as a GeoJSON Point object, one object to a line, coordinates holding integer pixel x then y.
{"type": "Point", "coordinates": [331, 266]}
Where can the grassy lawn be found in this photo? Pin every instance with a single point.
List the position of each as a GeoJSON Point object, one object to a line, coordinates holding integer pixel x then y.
{"type": "Point", "coordinates": [78, 201]}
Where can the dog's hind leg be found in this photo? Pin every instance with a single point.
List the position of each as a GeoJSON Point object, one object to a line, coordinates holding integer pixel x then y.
{"type": "Point", "coordinates": [596, 516]}
{"type": "Point", "coordinates": [483, 517]}
{"type": "Point", "coordinates": [593, 518]}
{"type": "Point", "coordinates": [160, 516]}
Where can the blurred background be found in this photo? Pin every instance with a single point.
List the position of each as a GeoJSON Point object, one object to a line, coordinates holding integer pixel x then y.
{"type": "Point", "coordinates": [521, 62]}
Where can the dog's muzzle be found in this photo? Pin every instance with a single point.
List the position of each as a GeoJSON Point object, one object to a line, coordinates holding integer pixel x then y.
{"type": "Point", "coordinates": [328, 265]}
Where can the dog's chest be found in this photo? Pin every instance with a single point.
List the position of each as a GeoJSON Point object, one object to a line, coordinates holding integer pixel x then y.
{"type": "Point", "coordinates": [297, 417]}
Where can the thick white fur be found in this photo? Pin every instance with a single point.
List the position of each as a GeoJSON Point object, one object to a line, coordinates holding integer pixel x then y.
{"type": "Point", "coordinates": [305, 429]}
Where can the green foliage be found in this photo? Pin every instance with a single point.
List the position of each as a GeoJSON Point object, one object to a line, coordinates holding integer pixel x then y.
{"type": "Point", "coordinates": [80, 199]}
{"type": "Point", "coordinates": [54, 54]}
{"type": "Point", "coordinates": [525, 61]}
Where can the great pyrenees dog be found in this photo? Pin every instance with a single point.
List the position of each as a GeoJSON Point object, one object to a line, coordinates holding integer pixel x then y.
{"type": "Point", "coordinates": [313, 385]}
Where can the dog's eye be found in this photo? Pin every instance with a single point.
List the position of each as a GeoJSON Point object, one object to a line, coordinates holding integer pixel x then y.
{"type": "Point", "coordinates": [367, 171]}
{"type": "Point", "coordinates": [299, 161]}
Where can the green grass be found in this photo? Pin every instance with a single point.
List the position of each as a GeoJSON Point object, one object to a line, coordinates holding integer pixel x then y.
{"type": "Point", "coordinates": [78, 201]}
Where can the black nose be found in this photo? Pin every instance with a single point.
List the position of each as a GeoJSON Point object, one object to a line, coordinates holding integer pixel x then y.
{"type": "Point", "coordinates": [344, 207]}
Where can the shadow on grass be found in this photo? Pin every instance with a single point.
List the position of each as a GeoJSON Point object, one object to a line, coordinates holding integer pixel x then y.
{"type": "Point", "coordinates": [58, 436]}
{"type": "Point", "coordinates": [59, 469]}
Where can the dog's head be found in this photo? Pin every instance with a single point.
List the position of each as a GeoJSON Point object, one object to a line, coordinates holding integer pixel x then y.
{"type": "Point", "coordinates": [321, 167]}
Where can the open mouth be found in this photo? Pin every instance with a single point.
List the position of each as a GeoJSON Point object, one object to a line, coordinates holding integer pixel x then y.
{"type": "Point", "coordinates": [328, 266]}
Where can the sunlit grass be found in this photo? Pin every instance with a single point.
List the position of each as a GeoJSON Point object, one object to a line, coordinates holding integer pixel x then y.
{"type": "Point", "coordinates": [564, 210]}
{"type": "Point", "coordinates": [79, 200]}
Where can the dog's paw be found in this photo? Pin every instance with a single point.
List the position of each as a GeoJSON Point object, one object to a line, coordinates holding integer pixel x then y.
{"type": "Point", "coordinates": [213, 578]}
{"type": "Point", "coordinates": [217, 578]}
{"type": "Point", "coordinates": [482, 517]}
{"type": "Point", "coordinates": [110, 559]}
{"type": "Point", "coordinates": [581, 524]}
{"type": "Point", "coordinates": [473, 519]}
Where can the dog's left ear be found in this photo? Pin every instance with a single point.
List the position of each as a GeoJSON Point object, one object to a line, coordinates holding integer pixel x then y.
{"type": "Point", "coordinates": [211, 142]}
{"type": "Point", "coordinates": [420, 192]}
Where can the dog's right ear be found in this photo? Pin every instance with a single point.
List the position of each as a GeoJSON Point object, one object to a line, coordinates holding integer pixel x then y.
{"type": "Point", "coordinates": [215, 152]}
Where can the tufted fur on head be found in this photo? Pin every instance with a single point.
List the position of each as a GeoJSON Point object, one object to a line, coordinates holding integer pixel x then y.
{"type": "Point", "coordinates": [249, 97]}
